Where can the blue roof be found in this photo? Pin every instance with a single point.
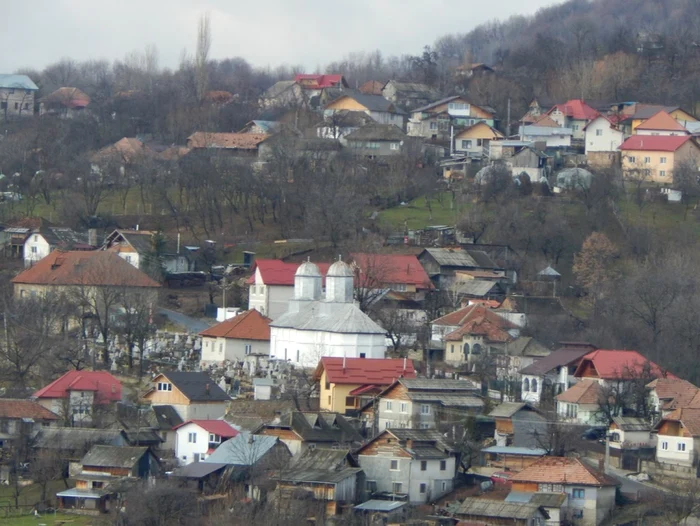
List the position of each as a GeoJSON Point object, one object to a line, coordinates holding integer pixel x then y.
{"type": "Point", "coordinates": [519, 496]}
{"type": "Point", "coordinates": [17, 82]}
{"type": "Point", "coordinates": [380, 505]}
{"type": "Point", "coordinates": [239, 452]}
{"type": "Point", "coordinates": [266, 126]}
{"type": "Point", "coordinates": [514, 450]}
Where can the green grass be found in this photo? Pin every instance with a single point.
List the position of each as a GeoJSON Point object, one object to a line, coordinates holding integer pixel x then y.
{"type": "Point", "coordinates": [49, 519]}
{"type": "Point", "coordinates": [29, 496]}
{"type": "Point", "coordinates": [417, 214]}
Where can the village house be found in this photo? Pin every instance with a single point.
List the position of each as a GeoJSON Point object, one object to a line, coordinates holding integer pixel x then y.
{"type": "Point", "coordinates": [574, 114]}
{"type": "Point", "coordinates": [396, 272]}
{"type": "Point", "coordinates": [643, 112]}
{"type": "Point", "coordinates": [261, 127]}
{"type": "Point", "coordinates": [377, 107]}
{"type": "Point", "coordinates": [667, 394]}
{"type": "Point", "coordinates": [16, 96]}
{"type": "Point", "coordinates": [72, 443]}
{"type": "Point", "coordinates": [475, 141]}
{"type": "Point", "coordinates": [77, 395]}
{"type": "Point", "coordinates": [511, 458]}
{"type": "Point", "coordinates": [654, 158]}
{"type": "Point", "coordinates": [142, 248]}
{"type": "Point", "coordinates": [615, 367]}
{"type": "Point", "coordinates": [441, 264]}
{"type": "Point", "coordinates": [409, 95]}
{"type": "Point", "coordinates": [22, 419]}
{"type": "Point", "coordinates": [192, 395]}
{"type": "Point", "coordinates": [535, 112]}
{"type": "Point", "coordinates": [301, 431]}
{"type": "Point", "coordinates": [308, 90]}
{"type": "Point", "coordinates": [422, 403]}
{"type": "Point", "coordinates": [480, 511]}
{"type": "Point", "coordinates": [244, 336]}
{"type": "Point", "coordinates": [331, 476]}
{"type": "Point", "coordinates": [316, 326]}
{"type": "Point", "coordinates": [515, 356]}
{"type": "Point", "coordinates": [105, 469]}
{"type": "Point", "coordinates": [231, 144]}
{"type": "Point", "coordinates": [534, 163]}
{"type": "Point", "coordinates": [580, 404]}
{"type": "Point", "coordinates": [195, 440]}
{"type": "Point", "coordinates": [341, 123]}
{"type": "Point", "coordinates": [46, 239]}
{"type": "Point", "coordinates": [631, 441]}
{"type": "Point", "coordinates": [371, 87]}
{"type": "Point", "coordinates": [164, 419]}
{"type": "Point", "coordinates": [602, 141]}
{"type": "Point", "coordinates": [65, 102]}
{"type": "Point", "coordinates": [437, 119]}
{"type": "Point", "coordinates": [678, 443]}
{"type": "Point", "coordinates": [515, 424]}
{"type": "Point", "coordinates": [113, 160]}
{"type": "Point", "coordinates": [346, 384]}
{"type": "Point", "coordinates": [546, 131]}
{"type": "Point", "coordinates": [378, 140]}
{"type": "Point", "coordinates": [553, 374]}
{"type": "Point", "coordinates": [271, 286]}
{"type": "Point", "coordinates": [661, 124]}
{"type": "Point", "coordinates": [590, 493]}
{"type": "Point", "coordinates": [408, 464]}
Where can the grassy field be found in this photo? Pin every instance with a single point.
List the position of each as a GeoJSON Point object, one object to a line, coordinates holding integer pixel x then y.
{"type": "Point", "coordinates": [48, 519]}
{"type": "Point", "coordinates": [419, 213]}
{"type": "Point", "coordinates": [29, 496]}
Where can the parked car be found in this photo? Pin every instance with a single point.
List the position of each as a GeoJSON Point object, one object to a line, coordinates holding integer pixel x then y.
{"type": "Point", "coordinates": [594, 433]}
{"type": "Point", "coordinates": [502, 478]}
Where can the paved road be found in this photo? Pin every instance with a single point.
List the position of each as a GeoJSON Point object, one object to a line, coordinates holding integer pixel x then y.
{"type": "Point", "coordinates": [627, 485]}
{"type": "Point", "coordinates": [188, 322]}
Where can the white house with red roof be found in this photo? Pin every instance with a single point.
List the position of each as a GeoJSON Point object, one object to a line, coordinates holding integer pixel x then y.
{"type": "Point", "coordinates": [574, 114]}
{"type": "Point", "coordinates": [345, 383]}
{"type": "Point", "coordinates": [236, 339]}
{"type": "Point", "coordinates": [397, 272]}
{"type": "Point", "coordinates": [602, 135]}
{"type": "Point", "coordinates": [195, 440]}
{"type": "Point", "coordinates": [75, 395]}
{"type": "Point", "coordinates": [608, 366]}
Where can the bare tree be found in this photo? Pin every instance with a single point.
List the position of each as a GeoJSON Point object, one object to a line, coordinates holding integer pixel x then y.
{"type": "Point", "coordinates": [202, 55]}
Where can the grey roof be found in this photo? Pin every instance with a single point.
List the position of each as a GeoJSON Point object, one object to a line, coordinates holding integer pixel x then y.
{"type": "Point", "coordinates": [649, 111]}
{"type": "Point", "coordinates": [477, 287]}
{"type": "Point", "coordinates": [458, 257]}
{"type": "Point", "coordinates": [77, 438]}
{"type": "Point", "coordinates": [546, 500]}
{"type": "Point", "coordinates": [245, 449]}
{"type": "Point", "coordinates": [527, 346]}
{"type": "Point", "coordinates": [507, 409]}
{"type": "Point", "coordinates": [344, 318]}
{"type": "Point", "coordinates": [166, 416]}
{"type": "Point", "coordinates": [63, 237]}
{"type": "Point", "coordinates": [324, 458]}
{"type": "Point", "coordinates": [142, 436]}
{"type": "Point", "coordinates": [436, 103]}
{"type": "Point", "coordinates": [371, 102]}
{"type": "Point", "coordinates": [556, 359]}
{"type": "Point", "coordinates": [346, 119]}
{"type": "Point", "coordinates": [197, 387]}
{"type": "Point", "coordinates": [375, 131]}
{"type": "Point", "coordinates": [544, 131]}
{"type": "Point", "coordinates": [513, 450]}
{"type": "Point", "coordinates": [549, 271]}
{"type": "Point", "coordinates": [421, 437]}
{"type": "Point", "coordinates": [414, 89]}
{"type": "Point", "coordinates": [380, 505]}
{"type": "Point", "coordinates": [476, 507]}
{"type": "Point", "coordinates": [197, 470]}
{"type": "Point", "coordinates": [17, 82]}
{"type": "Point", "coordinates": [320, 476]}
{"type": "Point", "coordinates": [278, 88]}
{"type": "Point", "coordinates": [113, 456]}
{"type": "Point", "coordinates": [629, 423]}
{"type": "Point", "coordinates": [447, 400]}
{"type": "Point", "coordinates": [693, 127]}
{"type": "Point", "coordinates": [319, 427]}
{"type": "Point", "coordinates": [439, 384]}
{"type": "Point", "coordinates": [81, 493]}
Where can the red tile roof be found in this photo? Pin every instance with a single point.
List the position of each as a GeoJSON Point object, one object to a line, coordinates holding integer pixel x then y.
{"type": "Point", "coordinates": [68, 97]}
{"type": "Point", "coordinates": [87, 268]}
{"type": "Point", "coordinates": [616, 364]}
{"type": "Point", "coordinates": [14, 408]}
{"type": "Point", "coordinates": [218, 427]}
{"type": "Point", "coordinates": [476, 319]}
{"type": "Point", "coordinates": [584, 392]}
{"type": "Point", "coordinates": [563, 470]}
{"type": "Point", "coordinates": [662, 121]}
{"type": "Point", "coordinates": [577, 109]}
{"type": "Point", "coordinates": [232, 141]}
{"type": "Point", "coordinates": [365, 371]}
{"type": "Point", "coordinates": [318, 81]}
{"type": "Point", "coordinates": [674, 392]}
{"type": "Point", "coordinates": [277, 272]}
{"type": "Point", "coordinates": [249, 325]}
{"type": "Point", "coordinates": [654, 143]}
{"type": "Point", "coordinates": [372, 87]}
{"type": "Point", "coordinates": [393, 269]}
{"type": "Point", "coordinates": [105, 386]}
{"type": "Point", "coordinates": [689, 417]}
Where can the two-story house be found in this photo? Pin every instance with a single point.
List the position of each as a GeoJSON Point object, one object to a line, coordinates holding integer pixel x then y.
{"type": "Point", "coordinates": [192, 395]}
{"type": "Point", "coordinates": [412, 464]}
{"type": "Point", "coordinates": [144, 248]}
{"type": "Point", "coordinates": [409, 95]}
{"type": "Point", "coordinates": [66, 102]}
{"type": "Point", "coordinates": [77, 395]}
{"type": "Point", "coordinates": [22, 419]}
{"type": "Point", "coordinates": [667, 394]}
{"type": "Point", "coordinates": [678, 442]}
{"type": "Point", "coordinates": [397, 272]}
{"type": "Point", "coordinates": [615, 367]}
{"type": "Point", "coordinates": [574, 114]}
{"type": "Point", "coordinates": [631, 440]}
{"type": "Point", "coordinates": [16, 96]}
{"type": "Point", "coordinates": [602, 141]}
{"type": "Point", "coordinates": [235, 339]}
{"type": "Point", "coordinates": [197, 439]}
{"type": "Point", "coordinates": [437, 119]}
{"type": "Point", "coordinates": [378, 140]}
{"type": "Point", "coordinates": [475, 141]}
{"type": "Point", "coordinates": [516, 423]}
{"type": "Point", "coordinates": [377, 107]}
{"type": "Point", "coordinates": [590, 493]}
{"type": "Point", "coordinates": [46, 239]}
{"type": "Point", "coordinates": [580, 403]}
{"type": "Point", "coordinates": [422, 403]}
{"type": "Point", "coordinates": [661, 123]}
{"type": "Point", "coordinates": [653, 158]}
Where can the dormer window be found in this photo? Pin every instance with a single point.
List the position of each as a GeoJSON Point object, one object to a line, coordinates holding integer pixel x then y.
{"type": "Point", "coordinates": [165, 386]}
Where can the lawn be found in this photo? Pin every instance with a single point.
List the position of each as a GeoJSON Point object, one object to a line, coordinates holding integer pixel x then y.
{"type": "Point", "coordinates": [29, 496]}
{"type": "Point", "coordinates": [417, 214]}
{"type": "Point", "coordinates": [48, 519]}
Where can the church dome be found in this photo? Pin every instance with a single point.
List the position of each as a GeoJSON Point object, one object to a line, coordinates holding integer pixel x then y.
{"type": "Point", "coordinates": [308, 269]}
{"type": "Point", "coordinates": [340, 269]}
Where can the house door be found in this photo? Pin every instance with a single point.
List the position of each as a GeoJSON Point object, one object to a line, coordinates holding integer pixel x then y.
{"type": "Point", "coordinates": [196, 457]}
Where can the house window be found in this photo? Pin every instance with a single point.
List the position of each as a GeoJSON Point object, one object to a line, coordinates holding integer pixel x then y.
{"type": "Point", "coordinates": [216, 439]}
{"type": "Point", "coordinates": [424, 409]}
{"type": "Point", "coordinates": [433, 125]}
{"type": "Point", "coordinates": [165, 386]}
{"type": "Point", "coordinates": [394, 146]}
{"type": "Point", "coordinates": [26, 105]}
{"type": "Point", "coordinates": [404, 407]}
{"type": "Point", "coordinates": [249, 349]}
{"type": "Point", "coordinates": [599, 133]}
{"type": "Point", "coordinates": [371, 486]}
{"type": "Point", "coordinates": [647, 160]}
{"type": "Point", "coordinates": [533, 385]}
{"type": "Point", "coordinates": [16, 105]}
{"type": "Point", "coordinates": [387, 424]}
{"type": "Point", "coordinates": [34, 250]}
{"type": "Point", "coordinates": [424, 426]}
{"type": "Point", "coordinates": [632, 159]}
{"type": "Point", "coordinates": [192, 438]}
{"type": "Point", "coordinates": [443, 465]}
{"type": "Point", "coordinates": [578, 493]}
{"type": "Point", "coordinates": [422, 487]}
{"type": "Point", "coordinates": [3, 105]}
{"type": "Point", "coordinates": [329, 399]}
{"type": "Point", "coordinates": [664, 446]}
{"type": "Point", "coordinates": [396, 487]}
{"type": "Point", "coordinates": [394, 465]}
{"type": "Point", "coordinates": [662, 173]}
{"type": "Point", "coordinates": [444, 486]}
{"type": "Point", "coordinates": [526, 384]}
{"type": "Point", "coordinates": [221, 347]}
{"type": "Point", "coordinates": [466, 144]}
{"type": "Point", "coordinates": [424, 465]}
{"type": "Point", "coordinates": [680, 446]}
{"type": "Point", "coordinates": [476, 349]}
{"type": "Point", "coordinates": [662, 160]}
{"type": "Point", "coordinates": [388, 406]}
{"type": "Point", "coordinates": [551, 488]}
{"type": "Point", "coordinates": [297, 355]}
{"type": "Point", "coordinates": [479, 142]}
{"type": "Point", "coordinates": [349, 401]}
{"type": "Point", "coordinates": [574, 127]}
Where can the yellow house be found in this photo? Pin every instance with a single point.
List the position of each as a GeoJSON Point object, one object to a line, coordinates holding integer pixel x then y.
{"type": "Point", "coordinates": [474, 140]}
{"type": "Point", "coordinates": [654, 157]}
{"type": "Point", "coordinates": [647, 112]}
{"type": "Point", "coordinates": [345, 383]}
{"type": "Point", "coordinates": [376, 106]}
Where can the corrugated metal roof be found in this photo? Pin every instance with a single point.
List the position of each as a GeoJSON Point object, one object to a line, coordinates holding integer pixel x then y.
{"type": "Point", "coordinates": [113, 456]}
{"type": "Point", "coordinates": [319, 476]}
{"type": "Point", "coordinates": [476, 507]}
{"type": "Point", "coordinates": [17, 82]}
{"type": "Point", "coordinates": [244, 449]}
{"type": "Point", "coordinates": [380, 505]}
{"type": "Point", "coordinates": [198, 470]}
{"type": "Point", "coordinates": [513, 450]}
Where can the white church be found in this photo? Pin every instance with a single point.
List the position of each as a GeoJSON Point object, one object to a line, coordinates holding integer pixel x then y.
{"type": "Point", "coordinates": [314, 326]}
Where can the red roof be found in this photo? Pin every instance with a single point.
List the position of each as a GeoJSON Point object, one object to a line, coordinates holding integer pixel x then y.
{"type": "Point", "coordinates": [563, 470]}
{"type": "Point", "coordinates": [577, 109]}
{"type": "Point", "coordinates": [318, 81]}
{"type": "Point", "coordinates": [616, 364]}
{"type": "Point", "coordinates": [277, 272]}
{"type": "Point", "coordinates": [14, 408]}
{"type": "Point", "coordinates": [654, 143]}
{"type": "Point", "coordinates": [249, 325]}
{"type": "Point", "coordinates": [218, 427]}
{"type": "Point", "coordinates": [393, 269]}
{"type": "Point", "coordinates": [365, 371]}
{"type": "Point", "coordinates": [105, 386]}
{"type": "Point", "coordinates": [662, 121]}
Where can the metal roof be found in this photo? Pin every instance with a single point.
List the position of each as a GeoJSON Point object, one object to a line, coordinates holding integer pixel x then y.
{"type": "Point", "coordinates": [197, 470]}
{"type": "Point", "coordinates": [547, 500]}
{"type": "Point", "coordinates": [80, 493]}
{"type": "Point", "coordinates": [448, 400]}
{"type": "Point", "coordinates": [513, 450]}
{"type": "Point", "coordinates": [476, 507]}
{"type": "Point", "coordinates": [380, 505]}
{"type": "Point", "coordinates": [113, 456]}
{"type": "Point", "coordinates": [197, 386]}
{"type": "Point", "coordinates": [319, 476]}
{"type": "Point", "coordinates": [245, 449]}
{"type": "Point", "coordinates": [345, 318]}
{"type": "Point", "coordinates": [507, 409]}
{"type": "Point", "coordinates": [439, 384]}
{"type": "Point", "coordinates": [17, 82]}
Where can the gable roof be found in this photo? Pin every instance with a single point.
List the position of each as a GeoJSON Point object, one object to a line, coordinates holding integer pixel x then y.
{"type": "Point", "coordinates": [315, 81]}
{"type": "Point", "coordinates": [576, 109]}
{"type": "Point", "coordinates": [424, 443]}
{"type": "Point", "coordinates": [508, 409]}
{"type": "Point", "coordinates": [317, 427]}
{"type": "Point", "coordinates": [68, 97]}
{"type": "Point", "coordinates": [364, 371]}
{"type": "Point", "coordinates": [372, 87]}
{"type": "Point", "coordinates": [658, 143]}
{"type": "Point", "coordinates": [17, 82]}
{"type": "Point", "coordinates": [673, 392]}
{"type": "Point", "coordinates": [446, 100]}
{"type": "Point", "coordinates": [278, 272]}
{"type": "Point", "coordinates": [217, 427]}
{"type": "Point", "coordinates": [688, 416]}
{"type": "Point", "coordinates": [344, 318]}
{"type": "Point", "coordinates": [375, 131]}
{"type": "Point", "coordinates": [459, 257]}
{"type": "Point", "coordinates": [630, 423]}
{"type": "Point", "coordinates": [249, 325]}
{"type": "Point", "coordinates": [105, 386]}
{"type": "Point", "coordinates": [228, 141]}
{"type": "Point", "coordinates": [414, 90]}
{"type": "Point", "coordinates": [14, 408]}
{"type": "Point", "coordinates": [65, 238]}
{"type": "Point", "coordinates": [583, 392]}
{"type": "Point", "coordinates": [393, 269]}
{"type": "Point", "coordinates": [646, 111]}
{"type": "Point", "coordinates": [497, 509]}
{"type": "Point", "coordinates": [483, 322]}
{"type": "Point", "coordinates": [560, 357]}
{"type": "Point", "coordinates": [166, 417]}
{"type": "Point", "coordinates": [113, 456]}
{"type": "Point", "coordinates": [563, 470]}
{"type": "Point", "coordinates": [616, 364]}
{"type": "Point", "coordinates": [662, 121]}
{"type": "Point", "coordinates": [245, 449]}
{"type": "Point", "coordinates": [85, 268]}
{"type": "Point", "coordinates": [481, 124]}
{"type": "Point", "coordinates": [370, 102]}
{"type": "Point", "coordinates": [76, 438]}
{"type": "Point", "coordinates": [126, 149]}
{"type": "Point", "coordinates": [547, 122]}
{"type": "Point", "coordinates": [324, 459]}
{"type": "Point", "coordinates": [197, 387]}
{"type": "Point", "coordinates": [345, 119]}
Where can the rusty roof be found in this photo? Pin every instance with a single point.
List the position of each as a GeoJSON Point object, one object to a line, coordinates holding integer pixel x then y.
{"type": "Point", "coordinates": [563, 470]}
{"type": "Point", "coordinates": [584, 392]}
{"type": "Point", "coordinates": [228, 141]}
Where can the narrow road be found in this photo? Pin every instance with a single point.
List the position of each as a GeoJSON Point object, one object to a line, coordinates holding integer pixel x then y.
{"type": "Point", "coordinates": [190, 324]}
{"type": "Point", "coordinates": [627, 485]}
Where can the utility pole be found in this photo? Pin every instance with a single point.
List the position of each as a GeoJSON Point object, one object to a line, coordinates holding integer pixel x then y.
{"type": "Point", "coordinates": [606, 464]}
{"type": "Point", "coordinates": [508, 121]}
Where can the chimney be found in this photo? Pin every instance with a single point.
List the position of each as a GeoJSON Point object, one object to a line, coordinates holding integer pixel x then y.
{"type": "Point", "coordinates": [251, 439]}
{"type": "Point", "coordinates": [404, 364]}
{"type": "Point", "coordinates": [343, 362]}
{"type": "Point", "coordinates": [92, 237]}
{"type": "Point", "coordinates": [206, 388]}
{"type": "Point", "coordinates": [137, 227]}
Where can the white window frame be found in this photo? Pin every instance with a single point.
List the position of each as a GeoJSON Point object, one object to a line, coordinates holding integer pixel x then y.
{"type": "Point", "coordinates": [599, 133]}
{"type": "Point", "coordinates": [248, 349]}
{"type": "Point", "coordinates": [388, 406]}
{"type": "Point", "coordinates": [575, 491]}
{"type": "Point", "coordinates": [664, 446]}
{"type": "Point", "coordinates": [404, 407]}
{"type": "Point", "coordinates": [647, 160]}
{"type": "Point", "coordinates": [662, 160]}
{"type": "Point", "coordinates": [425, 409]}
{"type": "Point", "coordinates": [214, 438]}
{"type": "Point", "coordinates": [680, 446]}
{"type": "Point", "coordinates": [191, 438]}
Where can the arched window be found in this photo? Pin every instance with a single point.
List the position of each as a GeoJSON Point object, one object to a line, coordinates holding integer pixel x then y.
{"type": "Point", "coordinates": [466, 350]}
{"type": "Point", "coordinates": [534, 385]}
{"type": "Point", "coordinates": [526, 384]}
{"type": "Point", "coordinates": [476, 348]}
